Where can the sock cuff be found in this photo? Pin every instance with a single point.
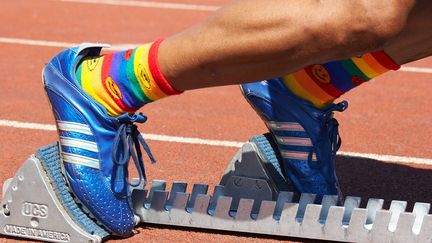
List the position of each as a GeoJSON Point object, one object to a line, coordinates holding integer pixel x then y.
{"type": "Point", "coordinates": [385, 60]}
{"type": "Point", "coordinates": [157, 74]}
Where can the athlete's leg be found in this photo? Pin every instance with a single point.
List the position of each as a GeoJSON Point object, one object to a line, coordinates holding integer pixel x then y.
{"type": "Point", "coordinates": [321, 84]}
{"type": "Point", "coordinates": [233, 47]}
{"type": "Point", "coordinates": [415, 40]}
{"type": "Point", "coordinates": [253, 40]}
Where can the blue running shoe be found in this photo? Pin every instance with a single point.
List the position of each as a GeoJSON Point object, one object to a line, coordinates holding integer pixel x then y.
{"type": "Point", "coordinates": [307, 137]}
{"type": "Point", "coordinates": [95, 147]}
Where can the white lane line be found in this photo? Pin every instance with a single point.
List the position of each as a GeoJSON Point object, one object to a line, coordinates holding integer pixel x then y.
{"type": "Point", "coordinates": [234, 144]}
{"type": "Point", "coordinates": [200, 141]}
{"type": "Point", "coordinates": [118, 47]}
{"type": "Point", "coordinates": [149, 136]}
{"type": "Point", "coordinates": [149, 4]}
{"type": "Point", "coordinates": [416, 69]}
{"type": "Point", "coordinates": [27, 125]}
{"type": "Point", "coordinates": [388, 158]}
{"type": "Point", "coordinates": [30, 42]}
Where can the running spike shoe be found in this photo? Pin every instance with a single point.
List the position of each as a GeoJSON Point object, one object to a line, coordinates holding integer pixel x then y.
{"type": "Point", "coordinates": [95, 147]}
{"type": "Point", "coordinates": [307, 138]}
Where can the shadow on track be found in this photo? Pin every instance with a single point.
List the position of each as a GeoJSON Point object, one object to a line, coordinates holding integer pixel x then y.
{"type": "Point", "coordinates": [368, 178]}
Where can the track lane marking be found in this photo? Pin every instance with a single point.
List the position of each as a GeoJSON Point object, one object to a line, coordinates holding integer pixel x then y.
{"type": "Point", "coordinates": [45, 43]}
{"type": "Point", "coordinates": [150, 4]}
{"type": "Point", "coordinates": [119, 47]}
{"type": "Point", "coordinates": [149, 136]}
{"type": "Point", "coordinates": [416, 69]}
{"type": "Point", "coordinates": [223, 143]}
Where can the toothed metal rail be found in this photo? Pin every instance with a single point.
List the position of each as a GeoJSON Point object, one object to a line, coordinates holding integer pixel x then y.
{"type": "Point", "coordinates": [284, 217]}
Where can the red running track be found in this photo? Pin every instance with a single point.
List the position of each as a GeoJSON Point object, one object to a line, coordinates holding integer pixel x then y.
{"type": "Point", "coordinates": [390, 115]}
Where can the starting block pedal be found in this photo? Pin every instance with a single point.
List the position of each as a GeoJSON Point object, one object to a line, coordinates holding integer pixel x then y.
{"type": "Point", "coordinates": [252, 197]}
{"type": "Point", "coordinates": [37, 205]}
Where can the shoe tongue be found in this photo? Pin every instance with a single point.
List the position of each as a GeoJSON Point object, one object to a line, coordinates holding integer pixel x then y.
{"type": "Point", "coordinates": [91, 49]}
{"type": "Point", "coordinates": [88, 49]}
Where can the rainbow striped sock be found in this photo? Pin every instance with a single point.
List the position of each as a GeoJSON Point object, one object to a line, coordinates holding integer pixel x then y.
{"type": "Point", "coordinates": [124, 81]}
{"type": "Point", "coordinates": [321, 84]}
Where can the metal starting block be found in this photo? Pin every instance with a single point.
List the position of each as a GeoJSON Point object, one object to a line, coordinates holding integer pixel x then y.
{"type": "Point", "coordinates": [33, 208]}
{"type": "Point", "coordinates": [251, 198]}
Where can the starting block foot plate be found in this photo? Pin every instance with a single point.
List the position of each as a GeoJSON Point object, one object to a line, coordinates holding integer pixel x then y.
{"type": "Point", "coordinates": [34, 207]}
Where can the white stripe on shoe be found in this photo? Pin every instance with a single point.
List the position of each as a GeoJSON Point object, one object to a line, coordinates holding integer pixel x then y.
{"type": "Point", "coordinates": [294, 141]}
{"type": "Point", "coordinates": [74, 127]}
{"type": "Point", "coordinates": [80, 160]}
{"type": "Point", "coordinates": [297, 155]}
{"type": "Point", "coordinates": [79, 143]}
{"type": "Point", "coordinates": [285, 126]}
